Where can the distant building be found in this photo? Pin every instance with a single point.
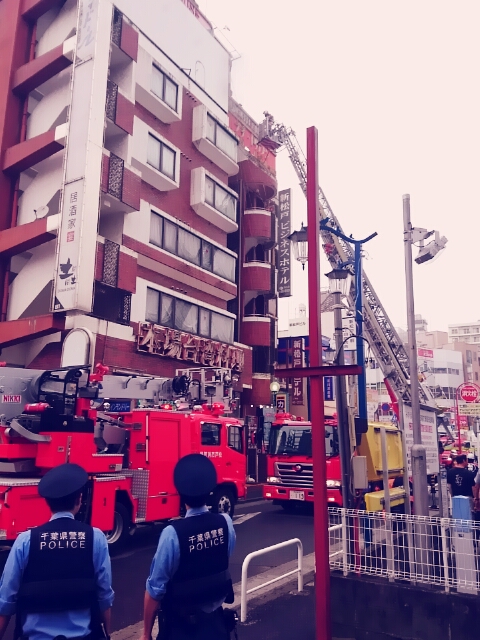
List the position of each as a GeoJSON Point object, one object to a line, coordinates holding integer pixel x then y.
{"type": "Point", "coordinates": [420, 323]}
{"type": "Point", "coordinates": [464, 332]}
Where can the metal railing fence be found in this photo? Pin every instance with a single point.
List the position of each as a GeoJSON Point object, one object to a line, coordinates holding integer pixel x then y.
{"type": "Point", "coordinates": [439, 551]}
{"type": "Point", "coordinates": [261, 552]}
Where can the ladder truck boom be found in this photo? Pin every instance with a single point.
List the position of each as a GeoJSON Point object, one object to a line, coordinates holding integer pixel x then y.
{"type": "Point", "coordinates": [384, 341]}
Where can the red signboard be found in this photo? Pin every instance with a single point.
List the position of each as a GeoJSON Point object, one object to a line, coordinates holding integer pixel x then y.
{"type": "Point", "coordinates": [425, 353]}
{"type": "Point", "coordinates": [469, 392]}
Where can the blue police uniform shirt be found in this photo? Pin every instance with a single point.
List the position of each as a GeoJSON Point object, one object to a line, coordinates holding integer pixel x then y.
{"type": "Point", "coordinates": [167, 558]}
{"type": "Point", "coordinates": [45, 626]}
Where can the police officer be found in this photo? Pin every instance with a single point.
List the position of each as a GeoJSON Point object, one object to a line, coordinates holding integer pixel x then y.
{"type": "Point", "coordinates": [189, 572]}
{"type": "Point", "coordinates": [57, 578]}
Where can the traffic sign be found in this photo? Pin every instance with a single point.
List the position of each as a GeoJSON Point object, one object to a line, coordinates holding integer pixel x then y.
{"type": "Point", "coordinates": [469, 392]}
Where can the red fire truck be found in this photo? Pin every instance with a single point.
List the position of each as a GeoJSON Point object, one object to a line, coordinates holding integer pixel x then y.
{"type": "Point", "coordinates": [70, 415]}
{"type": "Point", "coordinates": [290, 466]}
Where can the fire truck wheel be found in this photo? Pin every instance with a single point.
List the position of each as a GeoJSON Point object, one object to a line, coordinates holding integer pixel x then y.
{"type": "Point", "coordinates": [117, 537]}
{"type": "Point", "coordinates": [223, 501]}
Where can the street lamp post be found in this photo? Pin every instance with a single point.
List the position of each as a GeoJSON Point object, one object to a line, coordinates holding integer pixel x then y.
{"type": "Point", "coordinates": [418, 453]}
{"type": "Point", "coordinates": [274, 389]}
{"type": "Point", "coordinates": [361, 422]}
{"type": "Point", "coordinates": [339, 286]}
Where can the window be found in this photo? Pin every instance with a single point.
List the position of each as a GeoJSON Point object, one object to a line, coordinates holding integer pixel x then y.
{"type": "Point", "coordinates": [169, 236]}
{"type": "Point", "coordinates": [466, 330]}
{"type": "Point", "coordinates": [204, 322]}
{"type": "Point", "coordinates": [476, 376]}
{"type": "Point", "coordinates": [210, 434]}
{"type": "Point", "coordinates": [454, 331]}
{"type": "Point", "coordinates": [167, 311]}
{"type": "Point", "coordinates": [164, 88]}
{"type": "Point", "coordinates": [220, 199]}
{"type": "Point", "coordinates": [468, 356]}
{"type": "Point", "coordinates": [221, 138]}
{"type": "Point", "coordinates": [189, 246]}
{"type": "Point", "coordinates": [454, 372]}
{"type": "Point", "coordinates": [221, 328]}
{"type": "Point", "coordinates": [161, 157]}
{"type": "Point", "coordinates": [224, 265]}
{"type": "Point", "coordinates": [235, 438]}
{"type": "Point", "coordinates": [186, 316]}
{"type": "Point", "coordinates": [156, 230]}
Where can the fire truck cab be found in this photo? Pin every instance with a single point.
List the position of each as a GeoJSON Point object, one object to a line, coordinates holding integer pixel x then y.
{"type": "Point", "coordinates": [290, 464]}
{"type": "Point", "coordinates": [129, 455]}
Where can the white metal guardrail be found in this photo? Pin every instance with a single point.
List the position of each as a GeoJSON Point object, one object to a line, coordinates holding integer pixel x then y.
{"type": "Point", "coordinates": [418, 549]}
{"type": "Point", "coordinates": [245, 592]}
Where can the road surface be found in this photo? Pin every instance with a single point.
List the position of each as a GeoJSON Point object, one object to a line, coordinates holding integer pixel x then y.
{"type": "Point", "coordinates": [257, 524]}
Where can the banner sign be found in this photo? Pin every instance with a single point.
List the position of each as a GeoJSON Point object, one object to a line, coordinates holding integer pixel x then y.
{"type": "Point", "coordinates": [77, 238]}
{"type": "Point", "coordinates": [298, 351]}
{"type": "Point", "coordinates": [162, 341]}
{"type": "Point", "coordinates": [284, 275]}
{"type": "Point", "coordinates": [328, 388]}
{"type": "Point", "coordinates": [281, 402]}
{"type": "Point", "coordinates": [428, 423]}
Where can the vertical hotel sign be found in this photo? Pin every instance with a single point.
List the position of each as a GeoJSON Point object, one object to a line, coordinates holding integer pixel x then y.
{"type": "Point", "coordinates": [76, 243]}
{"type": "Point", "coordinates": [284, 211]}
{"type": "Point", "coordinates": [297, 391]}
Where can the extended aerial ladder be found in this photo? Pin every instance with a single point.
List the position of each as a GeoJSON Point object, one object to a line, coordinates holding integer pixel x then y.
{"type": "Point", "coordinates": [382, 337]}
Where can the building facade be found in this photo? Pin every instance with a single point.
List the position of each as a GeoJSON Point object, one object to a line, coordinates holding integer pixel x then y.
{"type": "Point", "coordinates": [464, 332]}
{"type": "Point", "coordinates": [125, 205]}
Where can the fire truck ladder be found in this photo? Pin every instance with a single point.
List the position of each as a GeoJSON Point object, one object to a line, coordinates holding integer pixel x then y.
{"type": "Point", "coordinates": [384, 341]}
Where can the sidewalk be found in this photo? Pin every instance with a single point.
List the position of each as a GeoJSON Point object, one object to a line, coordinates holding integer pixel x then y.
{"type": "Point", "coordinates": [286, 616]}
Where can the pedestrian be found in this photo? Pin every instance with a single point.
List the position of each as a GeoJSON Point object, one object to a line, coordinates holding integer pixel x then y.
{"type": "Point", "coordinates": [460, 480]}
{"type": "Point", "coordinates": [189, 573]}
{"type": "Point", "coordinates": [57, 578]}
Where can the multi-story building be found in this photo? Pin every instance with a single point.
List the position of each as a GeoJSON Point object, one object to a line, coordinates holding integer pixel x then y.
{"type": "Point", "coordinates": [464, 332]}
{"type": "Point", "coordinates": [117, 213]}
{"type": "Point", "coordinates": [420, 323]}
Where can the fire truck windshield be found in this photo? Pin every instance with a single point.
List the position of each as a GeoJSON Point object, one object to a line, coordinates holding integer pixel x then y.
{"type": "Point", "coordinates": [291, 440]}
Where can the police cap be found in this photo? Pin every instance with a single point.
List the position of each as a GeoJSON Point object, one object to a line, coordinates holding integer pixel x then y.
{"type": "Point", "coordinates": [62, 481]}
{"type": "Point", "coordinates": [194, 475]}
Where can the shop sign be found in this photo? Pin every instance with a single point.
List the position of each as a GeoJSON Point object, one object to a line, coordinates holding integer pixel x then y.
{"type": "Point", "coordinates": [170, 343]}
{"type": "Point", "coordinates": [284, 258]}
{"type": "Point", "coordinates": [298, 351]}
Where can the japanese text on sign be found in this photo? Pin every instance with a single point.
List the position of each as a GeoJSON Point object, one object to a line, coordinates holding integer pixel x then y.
{"type": "Point", "coordinates": [171, 343]}
{"type": "Point", "coordinates": [297, 361]}
{"type": "Point", "coordinates": [428, 424]}
{"type": "Point", "coordinates": [284, 275]}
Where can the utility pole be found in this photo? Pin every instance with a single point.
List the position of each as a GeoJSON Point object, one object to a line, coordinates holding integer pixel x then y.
{"type": "Point", "coordinates": [419, 452]}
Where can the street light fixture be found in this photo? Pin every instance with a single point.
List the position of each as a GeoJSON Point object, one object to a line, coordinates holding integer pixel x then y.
{"type": "Point", "coordinates": [274, 389]}
{"type": "Point", "coordinates": [339, 281]}
{"type": "Point", "coordinates": [300, 245]}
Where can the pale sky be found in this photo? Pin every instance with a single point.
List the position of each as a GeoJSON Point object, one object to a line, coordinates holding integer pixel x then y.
{"type": "Point", "coordinates": [393, 89]}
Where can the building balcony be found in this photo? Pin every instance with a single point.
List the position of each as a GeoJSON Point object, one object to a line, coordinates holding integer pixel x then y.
{"type": "Point", "coordinates": [255, 331]}
{"type": "Point", "coordinates": [258, 223]}
{"type": "Point", "coordinates": [145, 95]}
{"type": "Point", "coordinates": [120, 185]}
{"type": "Point", "coordinates": [124, 38]}
{"type": "Point", "coordinates": [214, 201]}
{"type": "Point", "coordinates": [214, 140]}
{"type": "Point", "coordinates": [119, 111]}
{"type": "Point", "coordinates": [157, 159]}
{"type": "Point", "coordinates": [258, 276]}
